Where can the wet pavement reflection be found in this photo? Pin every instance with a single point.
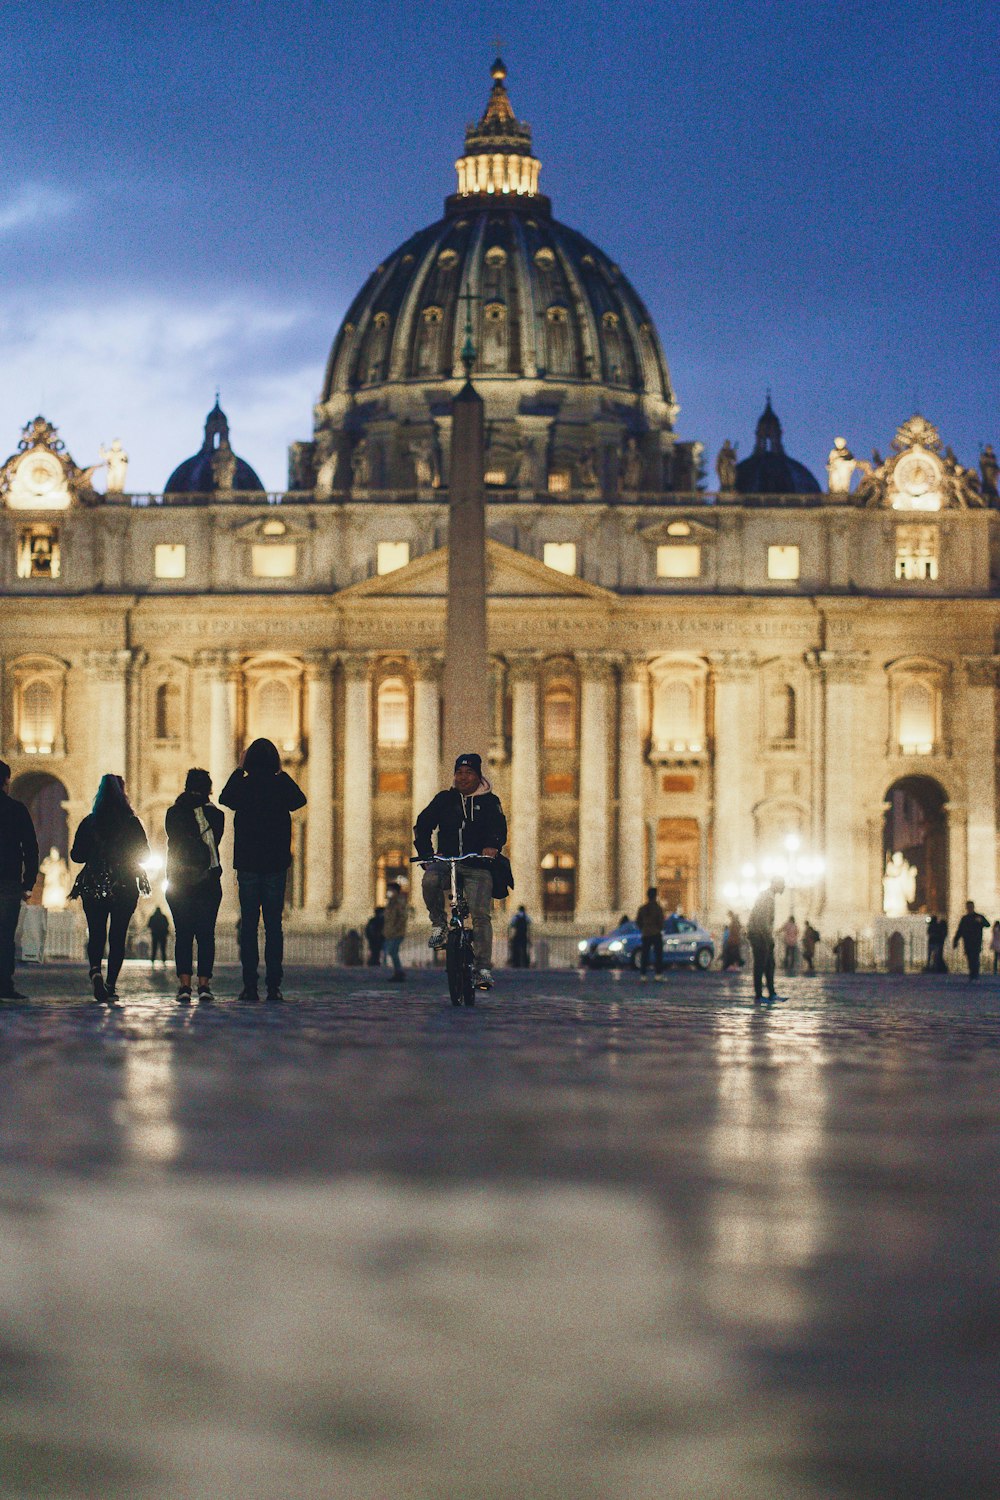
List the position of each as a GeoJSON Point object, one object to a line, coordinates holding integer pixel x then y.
{"type": "Point", "coordinates": [591, 1239]}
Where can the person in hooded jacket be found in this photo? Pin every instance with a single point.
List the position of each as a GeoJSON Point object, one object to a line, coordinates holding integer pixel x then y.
{"type": "Point", "coordinates": [194, 881]}
{"type": "Point", "coordinates": [111, 845]}
{"type": "Point", "coordinates": [262, 797]}
{"type": "Point", "coordinates": [468, 819]}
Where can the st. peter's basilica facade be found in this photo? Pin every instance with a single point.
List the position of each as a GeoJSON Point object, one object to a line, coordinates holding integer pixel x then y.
{"type": "Point", "coordinates": [686, 682]}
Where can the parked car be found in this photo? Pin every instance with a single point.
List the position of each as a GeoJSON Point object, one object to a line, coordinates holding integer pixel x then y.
{"type": "Point", "coordinates": [587, 947]}
{"type": "Point", "coordinates": [684, 942]}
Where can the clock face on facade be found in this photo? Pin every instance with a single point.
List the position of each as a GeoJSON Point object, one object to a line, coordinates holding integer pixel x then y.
{"type": "Point", "coordinates": [917, 482]}
{"type": "Point", "coordinates": [38, 482]}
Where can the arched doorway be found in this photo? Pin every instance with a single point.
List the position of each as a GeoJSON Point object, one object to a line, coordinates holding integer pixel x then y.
{"type": "Point", "coordinates": [45, 797]}
{"type": "Point", "coordinates": [916, 826]}
{"type": "Point", "coordinates": [678, 847]}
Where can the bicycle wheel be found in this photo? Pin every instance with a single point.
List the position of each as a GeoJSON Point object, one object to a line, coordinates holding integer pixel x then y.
{"type": "Point", "coordinates": [454, 958]}
{"type": "Point", "coordinates": [460, 968]}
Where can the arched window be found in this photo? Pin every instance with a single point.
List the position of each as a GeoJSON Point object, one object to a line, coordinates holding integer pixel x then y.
{"type": "Point", "coordinates": [168, 712]}
{"type": "Point", "coordinates": [38, 717]}
{"type": "Point", "coordinates": [393, 712]}
{"type": "Point", "coordinates": [781, 727]}
{"type": "Point", "coordinates": [673, 715]}
{"type": "Point", "coordinates": [559, 728]}
{"type": "Point", "coordinates": [558, 885]}
{"type": "Point", "coordinates": [273, 715]}
{"type": "Point", "coordinates": [916, 719]}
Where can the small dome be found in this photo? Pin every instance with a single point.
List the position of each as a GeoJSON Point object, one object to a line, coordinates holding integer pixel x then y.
{"type": "Point", "coordinates": [216, 468]}
{"type": "Point", "coordinates": [769, 470]}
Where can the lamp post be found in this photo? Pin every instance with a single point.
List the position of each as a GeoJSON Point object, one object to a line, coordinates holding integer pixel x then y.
{"type": "Point", "coordinates": [799, 870]}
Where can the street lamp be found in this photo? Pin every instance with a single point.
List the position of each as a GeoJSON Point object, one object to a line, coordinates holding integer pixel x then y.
{"type": "Point", "coordinates": [800, 871]}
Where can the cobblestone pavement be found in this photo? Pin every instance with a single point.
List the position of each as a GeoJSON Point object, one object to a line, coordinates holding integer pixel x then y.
{"type": "Point", "coordinates": [594, 1239]}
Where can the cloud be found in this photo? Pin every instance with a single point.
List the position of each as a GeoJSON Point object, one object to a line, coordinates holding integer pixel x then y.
{"type": "Point", "coordinates": [145, 367]}
{"type": "Point", "coordinates": [35, 203]}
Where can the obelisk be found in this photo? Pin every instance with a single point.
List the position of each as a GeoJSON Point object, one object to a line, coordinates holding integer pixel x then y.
{"type": "Point", "coordinates": [467, 695]}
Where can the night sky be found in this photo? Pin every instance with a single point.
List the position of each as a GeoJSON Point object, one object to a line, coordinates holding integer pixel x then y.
{"type": "Point", "coordinates": [805, 197]}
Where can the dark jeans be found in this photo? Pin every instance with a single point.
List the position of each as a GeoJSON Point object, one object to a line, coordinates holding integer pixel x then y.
{"type": "Point", "coordinates": [651, 945]}
{"type": "Point", "coordinates": [261, 895]}
{"type": "Point", "coordinates": [158, 946]}
{"type": "Point", "coordinates": [763, 966]}
{"type": "Point", "coordinates": [194, 910]}
{"type": "Point", "coordinates": [519, 952]}
{"type": "Point", "coordinates": [392, 953]}
{"type": "Point", "coordinates": [10, 910]}
{"type": "Point", "coordinates": [99, 913]}
{"type": "Point", "coordinates": [973, 957]}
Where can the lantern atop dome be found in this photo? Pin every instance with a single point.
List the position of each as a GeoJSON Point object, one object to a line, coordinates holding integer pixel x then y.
{"type": "Point", "coordinates": [498, 155]}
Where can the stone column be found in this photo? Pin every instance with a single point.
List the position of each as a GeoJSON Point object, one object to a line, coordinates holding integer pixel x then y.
{"type": "Point", "coordinates": [110, 717]}
{"type": "Point", "coordinates": [734, 753]}
{"type": "Point", "coordinates": [525, 784]}
{"type": "Point", "coordinates": [358, 877]}
{"type": "Point", "coordinates": [631, 774]}
{"type": "Point", "coordinates": [593, 890]}
{"type": "Point", "coordinates": [133, 689]}
{"type": "Point", "coordinates": [319, 808]}
{"type": "Point", "coordinates": [980, 780]}
{"type": "Point", "coordinates": [846, 845]}
{"type": "Point", "coordinates": [426, 729]}
{"type": "Point", "coordinates": [958, 867]}
{"type": "Point", "coordinates": [219, 673]}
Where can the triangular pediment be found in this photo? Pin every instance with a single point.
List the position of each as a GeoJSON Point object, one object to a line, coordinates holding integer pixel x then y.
{"type": "Point", "coordinates": [509, 575]}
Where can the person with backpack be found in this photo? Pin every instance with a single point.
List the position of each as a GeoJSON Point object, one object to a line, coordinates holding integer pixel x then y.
{"type": "Point", "coordinates": [262, 797]}
{"type": "Point", "coordinates": [111, 845]}
{"type": "Point", "coordinates": [194, 882]}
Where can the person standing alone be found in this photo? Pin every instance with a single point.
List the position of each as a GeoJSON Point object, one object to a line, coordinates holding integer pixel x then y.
{"type": "Point", "coordinates": [970, 934]}
{"type": "Point", "coordinates": [649, 920]}
{"type": "Point", "coordinates": [18, 872]}
{"type": "Point", "coordinates": [760, 931]}
{"type": "Point", "coordinates": [111, 845]}
{"type": "Point", "coordinates": [394, 925]}
{"type": "Point", "coordinates": [262, 797]}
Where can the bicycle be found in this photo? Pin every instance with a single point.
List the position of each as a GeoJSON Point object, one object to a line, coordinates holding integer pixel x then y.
{"type": "Point", "coordinates": [460, 958]}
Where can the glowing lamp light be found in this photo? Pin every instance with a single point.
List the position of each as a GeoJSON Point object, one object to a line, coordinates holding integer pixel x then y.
{"type": "Point", "coordinates": [152, 864]}
{"type": "Point", "coordinates": [748, 872]}
{"type": "Point", "coordinates": [792, 843]}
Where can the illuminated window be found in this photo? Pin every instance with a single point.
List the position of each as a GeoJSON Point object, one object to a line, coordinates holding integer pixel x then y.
{"type": "Point", "coordinates": [495, 476]}
{"type": "Point", "coordinates": [678, 528]}
{"type": "Point", "coordinates": [391, 555]}
{"type": "Point", "coordinates": [170, 560]}
{"type": "Point", "coordinates": [38, 552]}
{"type": "Point", "coordinates": [783, 562]}
{"type": "Point", "coordinates": [678, 562]}
{"type": "Point", "coordinates": [917, 552]}
{"type": "Point", "coordinates": [272, 716]}
{"type": "Point", "coordinates": [916, 719]}
{"type": "Point", "coordinates": [558, 715]}
{"type": "Point", "coordinates": [559, 481]}
{"type": "Point", "coordinates": [558, 884]}
{"type": "Point", "coordinates": [38, 718]}
{"type": "Point", "coordinates": [270, 561]}
{"type": "Point", "coordinates": [561, 556]}
{"type": "Point", "coordinates": [393, 712]}
{"type": "Point", "coordinates": [677, 708]}
{"type": "Point", "coordinates": [168, 711]}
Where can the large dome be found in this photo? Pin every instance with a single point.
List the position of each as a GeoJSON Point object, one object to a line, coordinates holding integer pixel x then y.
{"type": "Point", "coordinates": [576, 386]}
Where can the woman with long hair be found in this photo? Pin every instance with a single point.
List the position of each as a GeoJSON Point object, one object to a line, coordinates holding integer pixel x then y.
{"type": "Point", "coordinates": [194, 881]}
{"type": "Point", "coordinates": [111, 845]}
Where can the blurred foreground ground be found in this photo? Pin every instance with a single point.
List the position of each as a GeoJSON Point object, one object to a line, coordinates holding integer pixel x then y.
{"type": "Point", "coordinates": [594, 1239]}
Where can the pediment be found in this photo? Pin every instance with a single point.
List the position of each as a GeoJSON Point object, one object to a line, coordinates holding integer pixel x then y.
{"type": "Point", "coordinates": [660, 532]}
{"type": "Point", "coordinates": [509, 575]}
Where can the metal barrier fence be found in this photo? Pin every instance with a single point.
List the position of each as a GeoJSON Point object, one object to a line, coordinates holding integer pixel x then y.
{"type": "Point", "coordinates": [549, 950]}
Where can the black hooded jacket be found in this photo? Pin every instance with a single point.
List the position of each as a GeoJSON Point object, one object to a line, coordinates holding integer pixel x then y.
{"type": "Point", "coordinates": [262, 797]}
{"type": "Point", "coordinates": [18, 845]}
{"type": "Point", "coordinates": [465, 824]}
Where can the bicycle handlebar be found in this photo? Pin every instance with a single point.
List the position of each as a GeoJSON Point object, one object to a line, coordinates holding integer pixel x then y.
{"type": "Point", "coordinates": [445, 859]}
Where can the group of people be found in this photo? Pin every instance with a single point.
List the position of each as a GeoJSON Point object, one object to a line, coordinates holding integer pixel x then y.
{"type": "Point", "coordinates": [113, 849]}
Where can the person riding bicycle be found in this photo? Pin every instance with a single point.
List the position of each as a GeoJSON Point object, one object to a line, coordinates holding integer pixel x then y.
{"type": "Point", "coordinates": [469, 820]}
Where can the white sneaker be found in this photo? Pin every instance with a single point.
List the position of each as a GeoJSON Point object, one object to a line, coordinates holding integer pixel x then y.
{"type": "Point", "coordinates": [438, 938]}
{"type": "Point", "coordinates": [484, 979]}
